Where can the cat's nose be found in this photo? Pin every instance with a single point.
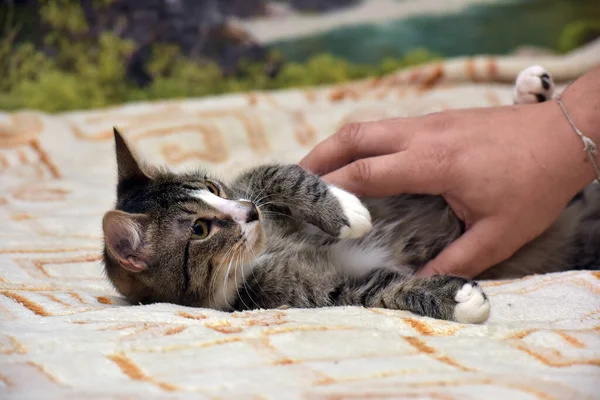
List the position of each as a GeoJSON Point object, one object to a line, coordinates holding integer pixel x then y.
{"type": "Point", "coordinates": [251, 211]}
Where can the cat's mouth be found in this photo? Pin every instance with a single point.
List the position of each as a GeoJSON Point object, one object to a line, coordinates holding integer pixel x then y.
{"type": "Point", "coordinates": [252, 236]}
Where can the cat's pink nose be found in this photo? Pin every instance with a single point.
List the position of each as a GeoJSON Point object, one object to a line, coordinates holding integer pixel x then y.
{"type": "Point", "coordinates": [252, 213]}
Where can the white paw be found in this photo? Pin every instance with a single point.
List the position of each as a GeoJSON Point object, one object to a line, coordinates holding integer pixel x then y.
{"type": "Point", "coordinates": [533, 85]}
{"type": "Point", "coordinates": [357, 215]}
{"type": "Point", "coordinates": [473, 306]}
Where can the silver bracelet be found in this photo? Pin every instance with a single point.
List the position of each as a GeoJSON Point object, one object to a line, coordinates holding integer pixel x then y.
{"type": "Point", "coordinates": [588, 144]}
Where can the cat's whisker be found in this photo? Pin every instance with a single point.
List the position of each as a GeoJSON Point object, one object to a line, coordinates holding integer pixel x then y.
{"type": "Point", "coordinates": [227, 256]}
{"type": "Point", "coordinates": [250, 186]}
{"type": "Point", "coordinates": [237, 286]}
{"type": "Point", "coordinates": [247, 193]}
{"type": "Point", "coordinates": [241, 266]}
{"type": "Point", "coordinates": [275, 213]}
{"type": "Point", "coordinates": [216, 273]}
{"type": "Point", "coordinates": [255, 257]}
{"type": "Point", "coordinates": [226, 278]}
{"type": "Point", "coordinates": [255, 195]}
{"type": "Point", "coordinates": [262, 203]}
{"type": "Point", "coordinates": [261, 206]}
{"type": "Point", "coordinates": [271, 212]}
{"type": "Point", "coordinates": [266, 203]}
{"type": "Point", "coordinates": [279, 203]}
{"type": "Point", "coordinates": [244, 277]}
{"type": "Point", "coordinates": [262, 198]}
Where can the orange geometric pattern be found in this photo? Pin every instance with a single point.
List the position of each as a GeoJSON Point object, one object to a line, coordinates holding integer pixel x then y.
{"type": "Point", "coordinates": [66, 334]}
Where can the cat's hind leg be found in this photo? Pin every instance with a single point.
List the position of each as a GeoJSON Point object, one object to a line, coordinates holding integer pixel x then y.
{"type": "Point", "coordinates": [442, 296]}
{"type": "Point", "coordinates": [533, 85]}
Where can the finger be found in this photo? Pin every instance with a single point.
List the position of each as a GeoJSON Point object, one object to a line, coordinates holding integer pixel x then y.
{"type": "Point", "coordinates": [390, 175]}
{"type": "Point", "coordinates": [484, 245]}
{"type": "Point", "coordinates": [355, 141]}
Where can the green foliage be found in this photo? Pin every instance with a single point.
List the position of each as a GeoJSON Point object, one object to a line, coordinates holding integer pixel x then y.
{"type": "Point", "coordinates": [578, 33]}
{"type": "Point", "coordinates": [63, 16]}
{"type": "Point", "coordinates": [99, 81]}
{"type": "Point", "coordinates": [89, 73]}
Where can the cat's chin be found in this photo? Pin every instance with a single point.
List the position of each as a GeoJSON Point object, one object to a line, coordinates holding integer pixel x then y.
{"type": "Point", "coordinates": [254, 238]}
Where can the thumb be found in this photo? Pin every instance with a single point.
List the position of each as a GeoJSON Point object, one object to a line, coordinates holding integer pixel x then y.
{"type": "Point", "coordinates": [485, 244]}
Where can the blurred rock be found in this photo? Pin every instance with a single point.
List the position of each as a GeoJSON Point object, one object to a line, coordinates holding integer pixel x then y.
{"type": "Point", "coordinates": [321, 5]}
{"type": "Point", "coordinates": [243, 8]}
{"type": "Point", "coordinates": [201, 28]}
{"type": "Point", "coordinates": [277, 10]}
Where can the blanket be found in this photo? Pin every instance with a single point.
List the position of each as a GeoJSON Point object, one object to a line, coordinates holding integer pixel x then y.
{"type": "Point", "coordinates": [66, 334]}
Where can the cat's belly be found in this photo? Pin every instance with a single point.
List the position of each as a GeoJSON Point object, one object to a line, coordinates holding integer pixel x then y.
{"type": "Point", "coordinates": [392, 243]}
{"type": "Point", "coordinates": [359, 257]}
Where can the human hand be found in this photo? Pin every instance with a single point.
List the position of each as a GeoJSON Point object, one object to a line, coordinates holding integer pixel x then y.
{"type": "Point", "coordinates": [507, 172]}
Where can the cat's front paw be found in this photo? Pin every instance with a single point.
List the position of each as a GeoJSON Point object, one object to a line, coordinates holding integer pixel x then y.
{"type": "Point", "coordinates": [533, 85]}
{"type": "Point", "coordinates": [473, 306]}
{"type": "Point", "coordinates": [357, 216]}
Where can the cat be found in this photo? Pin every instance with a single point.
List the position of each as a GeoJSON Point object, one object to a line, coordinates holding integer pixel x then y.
{"type": "Point", "coordinates": [278, 236]}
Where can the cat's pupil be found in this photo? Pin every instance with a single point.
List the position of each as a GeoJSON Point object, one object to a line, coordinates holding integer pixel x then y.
{"type": "Point", "coordinates": [212, 188]}
{"type": "Point", "coordinates": [200, 228]}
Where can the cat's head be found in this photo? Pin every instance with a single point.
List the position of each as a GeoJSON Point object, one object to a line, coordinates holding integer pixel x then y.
{"type": "Point", "coordinates": [177, 238]}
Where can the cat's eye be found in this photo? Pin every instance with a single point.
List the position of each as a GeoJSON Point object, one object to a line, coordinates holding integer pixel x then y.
{"type": "Point", "coordinates": [201, 229]}
{"type": "Point", "coordinates": [211, 187]}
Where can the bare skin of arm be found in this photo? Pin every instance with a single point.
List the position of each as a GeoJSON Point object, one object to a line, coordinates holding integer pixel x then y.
{"type": "Point", "coordinates": [507, 172]}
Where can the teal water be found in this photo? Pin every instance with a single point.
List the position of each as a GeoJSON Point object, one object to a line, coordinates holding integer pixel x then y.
{"type": "Point", "coordinates": [492, 29]}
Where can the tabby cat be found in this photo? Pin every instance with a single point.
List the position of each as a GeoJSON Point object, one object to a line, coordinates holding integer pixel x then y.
{"type": "Point", "coordinates": [279, 236]}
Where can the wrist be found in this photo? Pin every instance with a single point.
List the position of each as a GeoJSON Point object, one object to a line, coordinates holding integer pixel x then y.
{"type": "Point", "coordinates": [574, 168]}
{"type": "Point", "coordinates": [582, 105]}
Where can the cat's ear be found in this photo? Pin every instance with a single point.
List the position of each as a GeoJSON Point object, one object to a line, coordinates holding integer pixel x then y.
{"type": "Point", "coordinates": [127, 166]}
{"type": "Point", "coordinates": [125, 237]}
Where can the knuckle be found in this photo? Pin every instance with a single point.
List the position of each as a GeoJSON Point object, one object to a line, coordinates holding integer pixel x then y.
{"type": "Point", "coordinates": [351, 134]}
{"type": "Point", "coordinates": [359, 171]}
{"type": "Point", "coordinates": [440, 121]}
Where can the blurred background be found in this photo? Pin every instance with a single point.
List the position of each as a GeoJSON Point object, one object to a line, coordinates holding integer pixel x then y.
{"type": "Point", "coordinates": [58, 55]}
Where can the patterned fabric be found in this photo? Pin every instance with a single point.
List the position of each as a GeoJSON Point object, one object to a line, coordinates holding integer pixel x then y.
{"type": "Point", "coordinates": [65, 334]}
